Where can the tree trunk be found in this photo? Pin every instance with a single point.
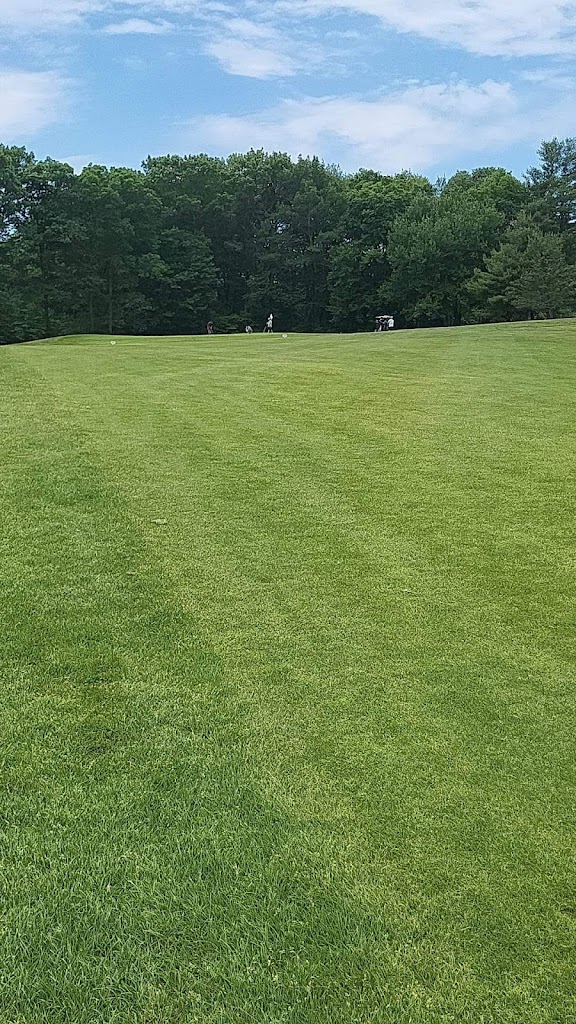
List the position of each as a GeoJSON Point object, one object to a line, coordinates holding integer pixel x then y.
{"type": "Point", "coordinates": [47, 322]}
{"type": "Point", "coordinates": [45, 295]}
{"type": "Point", "coordinates": [110, 300]}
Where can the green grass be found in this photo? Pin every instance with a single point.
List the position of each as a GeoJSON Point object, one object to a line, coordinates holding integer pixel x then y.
{"type": "Point", "coordinates": [288, 659]}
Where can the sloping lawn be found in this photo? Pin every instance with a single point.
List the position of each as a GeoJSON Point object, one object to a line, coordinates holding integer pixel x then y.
{"type": "Point", "coordinates": [287, 648]}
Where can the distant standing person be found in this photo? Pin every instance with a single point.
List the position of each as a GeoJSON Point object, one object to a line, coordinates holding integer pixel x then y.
{"type": "Point", "coordinates": [210, 327]}
{"type": "Point", "coordinates": [391, 323]}
{"type": "Point", "coordinates": [269, 324]}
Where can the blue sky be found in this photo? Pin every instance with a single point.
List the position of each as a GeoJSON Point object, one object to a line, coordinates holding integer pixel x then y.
{"type": "Point", "coordinates": [428, 85]}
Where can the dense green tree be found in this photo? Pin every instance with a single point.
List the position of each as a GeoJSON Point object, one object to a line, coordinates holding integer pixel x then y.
{"type": "Point", "coordinates": [284, 227]}
{"type": "Point", "coordinates": [433, 250]}
{"type": "Point", "coordinates": [492, 286]}
{"type": "Point", "coordinates": [15, 164]}
{"type": "Point", "coordinates": [553, 183]}
{"type": "Point", "coordinates": [43, 255]}
{"type": "Point", "coordinates": [120, 218]}
{"type": "Point", "coordinates": [527, 275]}
{"type": "Point", "coordinates": [180, 283]}
{"type": "Point", "coordinates": [494, 186]}
{"type": "Point", "coordinates": [33, 256]}
{"type": "Point", "coordinates": [192, 238]}
{"type": "Point", "coordinates": [198, 199]}
{"type": "Point", "coordinates": [19, 318]}
{"type": "Point", "coordinates": [547, 284]}
{"type": "Point", "coordinates": [292, 233]}
{"type": "Point", "coordinates": [359, 264]}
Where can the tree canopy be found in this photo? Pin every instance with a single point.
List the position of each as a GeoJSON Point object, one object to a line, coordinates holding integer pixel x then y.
{"type": "Point", "coordinates": [187, 239]}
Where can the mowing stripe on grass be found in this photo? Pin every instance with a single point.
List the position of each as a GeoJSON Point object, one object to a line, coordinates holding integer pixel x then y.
{"type": "Point", "coordinates": [287, 645]}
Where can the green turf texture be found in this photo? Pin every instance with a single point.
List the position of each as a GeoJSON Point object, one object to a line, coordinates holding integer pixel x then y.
{"type": "Point", "coordinates": [288, 657]}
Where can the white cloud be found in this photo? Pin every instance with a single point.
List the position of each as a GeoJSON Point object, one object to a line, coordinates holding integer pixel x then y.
{"type": "Point", "coordinates": [138, 26]}
{"type": "Point", "coordinates": [550, 78]}
{"type": "Point", "coordinates": [239, 57]}
{"type": "Point", "coordinates": [34, 15]}
{"type": "Point", "coordinates": [257, 50]}
{"type": "Point", "coordinates": [43, 15]}
{"type": "Point", "coordinates": [29, 102]}
{"type": "Point", "coordinates": [489, 27]}
{"type": "Point", "coordinates": [416, 128]}
{"type": "Point", "coordinates": [249, 48]}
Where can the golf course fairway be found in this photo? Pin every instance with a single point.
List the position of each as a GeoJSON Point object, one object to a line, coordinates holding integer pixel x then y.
{"type": "Point", "coordinates": [287, 661]}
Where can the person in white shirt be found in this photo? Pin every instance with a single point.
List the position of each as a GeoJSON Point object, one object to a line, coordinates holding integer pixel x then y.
{"type": "Point", "coordinates": [269, 324]}
{"type": "Point", "coordinates": [391, 323]}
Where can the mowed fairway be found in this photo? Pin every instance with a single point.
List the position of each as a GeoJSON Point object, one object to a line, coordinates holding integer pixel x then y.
{"type": "Point", "coordinates": [288, 659]}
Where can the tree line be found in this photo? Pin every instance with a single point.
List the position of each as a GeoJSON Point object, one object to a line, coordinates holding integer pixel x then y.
{"type": "Point", "coordinates": [188, 239]}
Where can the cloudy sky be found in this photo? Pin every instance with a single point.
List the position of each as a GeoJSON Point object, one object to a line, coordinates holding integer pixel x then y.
{"type": "Point", "coordinates": [428, 85]}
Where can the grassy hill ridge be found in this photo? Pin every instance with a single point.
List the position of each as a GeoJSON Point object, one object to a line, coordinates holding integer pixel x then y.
{"type": "Point", "coordinates": [544, 329]}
